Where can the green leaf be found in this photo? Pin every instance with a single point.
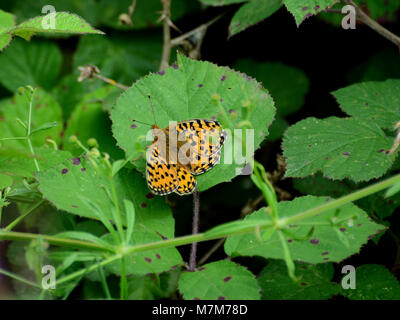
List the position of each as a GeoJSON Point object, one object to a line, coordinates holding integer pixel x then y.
{"type": "Point", "coordinates": [64, 23]}
{"type": "Point", "coordinates": [124, 58]}
{"type": "Point", "coordinates": [324, 245]}
{"type": "Point", "coordinates": [393, 190]}
{"type": "Point", "coordinates": [63, 184]}
{"type": "Point", "coordinates": [44, 110]}
{"type": "Point", "coordinates": [369, 277]}
{"type": "Point", "coordinates": [221, 280]}
{"type": "Point", "coordinates": [151, 261]}
{"type": "Point", "coordinates": [88, 120]}
{"type": "Point", "coordinates": [187, 91]}
{"type": "Point", "coordinates": [35, 63]}
{"type": "Point", "coordinates": [303, 9]}
{"type": "Point", "coordinates": [287, 85]}
{"type": "Point", "coordinates": [5, 181]}
{"type": "Point", "coordinates": [339, 147]}
{"type": "Point", "coordinates": [377, 102]}
{"type": "Point", "coordinates": [7, 22]}
{"type": "Point", "coordinates": [251, 13]}
{"type": "Point", "coordinates": [314, 282]}
{"type": "Point", "coordinates": [21, 164]}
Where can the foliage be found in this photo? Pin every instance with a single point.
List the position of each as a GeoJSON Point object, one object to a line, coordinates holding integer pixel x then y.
{"type": "Point", "coordinates": [308, 172]}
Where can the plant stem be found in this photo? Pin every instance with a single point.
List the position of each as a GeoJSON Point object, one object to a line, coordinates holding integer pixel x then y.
{"type": "Point", "coordinates": [214, 248]}
{"type": "Point", "coordinates": [18, 278]}
{"type": "Point", "coordinates": [28, 133]}
{"type": "Point", "coordinates": [123, 283]}
{"type": "Point", "coordinates": [195, 228]}
{"type": "Point", "coordinates": [364, 18]}
{"type": "Point", "coordinates": [12, 235]}
{"type": "Point", "coordinates": [104, 283]}
{"type": "Point", "coordinates": [21, 217]}
{"type": "Point", "coordinates": [166, 53]}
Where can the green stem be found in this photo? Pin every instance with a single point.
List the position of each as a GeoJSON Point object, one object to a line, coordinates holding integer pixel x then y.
{"type": "Point", "coordinates": [21, 217]}
{"type": "Point", "coordinates": [12, 235]}
{"type": "Point", "coordinates": [104, 283]}
{"type": "Point", "coordinates": [124, 282]}
{"type": "Point", "coordinates": [18, 278]}
{"type": "Point", "coordinates": [118, 212]}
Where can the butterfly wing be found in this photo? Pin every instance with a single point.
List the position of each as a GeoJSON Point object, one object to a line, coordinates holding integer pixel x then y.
{"type": "Point", "coordinates": [204, 154]}
{"type": "Point", "coordinates": [187, 182]}
{"type": "Point", "coordinates": [161, 177]}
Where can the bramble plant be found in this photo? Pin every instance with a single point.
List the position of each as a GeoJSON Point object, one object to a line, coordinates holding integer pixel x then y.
{"type": "Point", "coordinates": [297, 193]}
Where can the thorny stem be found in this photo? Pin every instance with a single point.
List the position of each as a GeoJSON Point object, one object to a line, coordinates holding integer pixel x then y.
{"type": "Point", "coordinates": [195, 228]}
{"type": "Point", "coordinates": [364, 18]}
{"type": "Point", "coordinates": [166, 14]}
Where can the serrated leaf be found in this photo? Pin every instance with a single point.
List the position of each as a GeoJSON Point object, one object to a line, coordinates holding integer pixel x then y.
{"type": "Point", "coordinates": [370, 277]}
{"type": "Point", "coordinates": [7, 22]}
{"type": "Point", "coordinates": [63, 184]}
{"type": "Point", "coordinates": [150, 261]}
{"type": "Point", "coordinates": [65, 22]}
{"type": "Point", "coordinates": [221, 280]}
{"type": "Point", "coordinates": [314, 282]}
{"type": "Point", "coordinates": [33, 63]}
{"type": "Point", "coordinates": [251, 13]}
{"type": "Point", "coordinates": [89, 120]}
{"type": "Point", "coordinates": [21, 163]}
{"type": "Point", "coordinates": [5, 40]}
{"type": "Point", "coordinates": [302, 9]}
{"type": "Point", "coordinates": [339, 147]}
{"type": "Point", "coordinates": [183, 92]}
{"type": "Point", "coordinates": [287, 85]}
{"type": "Point", "coordinates": [324, 245]}
{"type": "Point", "coordinates": [44, 110]}
{"type": "Point", "coordinates": [377, 102]}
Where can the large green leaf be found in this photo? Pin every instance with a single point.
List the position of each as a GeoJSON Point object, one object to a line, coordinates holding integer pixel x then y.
{"type": "Point", "coordinates": [89, 120]}
{"type": "Point", "coordinates": [150, 261]}
{"type": "Point", "coordinates": [124, 58]}
{"type": "Point", "coordinates": [65, 23]}
{"type": "Point", "coordinates": [221, 280]}
{"type": "Point", "coordinates": [339, 147]}
{"type": "Point", "coordinates": [328, 242]}
{"type": "Point", "coordinates": [66, 184]}
{"type": "Point", "coordinates": [21, 163]}
{"type": "Point", "coordinates": [377, 102]}
{"type": "Point", "coordinates": [302, 9]}
{"type": "Point", "coordinates": [189, 90]}
{"type": "Point", "coordinates": [33, 63]}
{"type": "Point", "coordinates": [314, 282]}
{"type": "Point", "coordinates": [373, 282]}
{"type": "Point", "coordinates": [287, 85]}
{"type": "Point", "coordinates": [252, 12]}
{"type": "Point", "coordinates": [44, 110]}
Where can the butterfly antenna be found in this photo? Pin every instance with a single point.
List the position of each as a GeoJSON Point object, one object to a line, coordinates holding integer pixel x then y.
{"type": "Point", "coordinates": [152, 109]}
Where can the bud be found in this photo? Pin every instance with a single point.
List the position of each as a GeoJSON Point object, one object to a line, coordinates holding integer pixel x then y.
{"type": "Point", "coordinates": [73, 139]}
{"type": "Point", "coordinates": [92, 142]}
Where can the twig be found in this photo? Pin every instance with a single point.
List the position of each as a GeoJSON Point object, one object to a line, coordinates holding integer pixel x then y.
{"type": "Point", "coordinates": [396, 142]}
{"type": "Point", "coordinates": [210, 252]}
{"type": "Point", "coordinates": [195, 228]}
{"type": "Point", "coordinates": [166, 14]}
{"type": "Point", "coordinates": [364, 18]}
{"type": "Point", "coordinates": [91, 71]}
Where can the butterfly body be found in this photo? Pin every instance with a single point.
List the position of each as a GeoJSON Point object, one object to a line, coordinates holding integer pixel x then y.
{"type": "Point", "coordinates": [181, 151]}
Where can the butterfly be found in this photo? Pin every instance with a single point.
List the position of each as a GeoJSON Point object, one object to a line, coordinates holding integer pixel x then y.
{"type": "Point", "coordinates": [181, 151]}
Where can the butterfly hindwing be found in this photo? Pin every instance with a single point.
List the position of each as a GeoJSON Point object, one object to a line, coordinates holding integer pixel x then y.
{"type": "Point", "coordinates": [161, 177]}
{"type": "Point", "coordinates": [187, 182]}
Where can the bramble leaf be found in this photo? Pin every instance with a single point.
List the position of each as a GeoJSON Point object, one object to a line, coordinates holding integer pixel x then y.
{"type": "Point", "coordinates": [369, 277]}
{"type": "Point", "coordinates": [221, 280]}
{"type": "Point", "coordinates": [314, 282]}
{"type": "Point", "coordinates": [190, 90]}
{"type": "Point", "coordinates": [66, 183]}
{"type": "Point", "coordinates": [335, 234]}
{"type": "Point", "coordinates": [377, 102]}
{"type": "Point", "coordinates": [302, 9]}
{"type": "Point", "coordinates": [7, 22]}
{"type": "Point", "coordinates": [150, 261]}
{"type": "Point", "coordinates": [339, 147]}
{"type": "Point", "coordinates": [34, 63]}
